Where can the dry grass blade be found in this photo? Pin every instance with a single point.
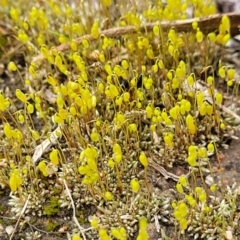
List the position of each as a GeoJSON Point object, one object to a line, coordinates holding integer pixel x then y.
{"type": "Point", "coordinates": [74, 211]}
{"type": "Point", "coordinates": [22, 212]}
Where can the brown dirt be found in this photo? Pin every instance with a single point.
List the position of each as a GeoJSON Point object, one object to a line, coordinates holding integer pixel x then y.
{"type": "Point", "coordinates": [228, 171]}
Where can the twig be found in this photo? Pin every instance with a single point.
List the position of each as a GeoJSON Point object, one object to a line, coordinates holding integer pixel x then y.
{"type": "Point", "coordinates": [22, 212]}
{"type": "Point", "coordinates": [74, 211]}
{"type": "Point", "coordinates": [228, 111]}
{"type": "Point", "coordinates": [163, 171]}
{"type": "Point", "coordinates": [9, 218]}
{"type": "Point", "coordinates": [133, 202]}
{"type": "Point", "coordinates": [206, 24]}
{"type": "Point", "coordinates": [157, 225]}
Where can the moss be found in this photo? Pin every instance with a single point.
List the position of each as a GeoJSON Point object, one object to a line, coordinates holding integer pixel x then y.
{"type": "Point", "coordinates": [6, 221]}
{"type": "Point", "coordinates": [3, 42]}
{"type": "Point", "coordinates": [2, 208]}
{"type": "Point", "coordinates": [80, 216]}
{"type": "Point", "coordinates": [33, 220]}
{"type": "Point", "coordinates": [110, 111]}
{"type": "Point", "coordinates": [56, 190]}
{"type": "Point", "coordinates": [21, 235]}
{"type": "Point", "coordinates": [51, 226]}
{"type": "Point", "coordinates": [52, 208]}
{"type": "Point", "coordinates": [45, 181]}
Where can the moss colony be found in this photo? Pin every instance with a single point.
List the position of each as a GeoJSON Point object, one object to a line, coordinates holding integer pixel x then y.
{"type": "Point", "coordinates": [87, 122]}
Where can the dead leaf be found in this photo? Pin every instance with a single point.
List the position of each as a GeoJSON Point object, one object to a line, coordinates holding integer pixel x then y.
{"type": "Point", "coordinates": [42, 147]}
{"type": "Point", "coordinates": [50, 96]}
{"type": "Point", "coordinates": [155, 138]}
{"type": "Point", "coordinates": [9, 229]}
